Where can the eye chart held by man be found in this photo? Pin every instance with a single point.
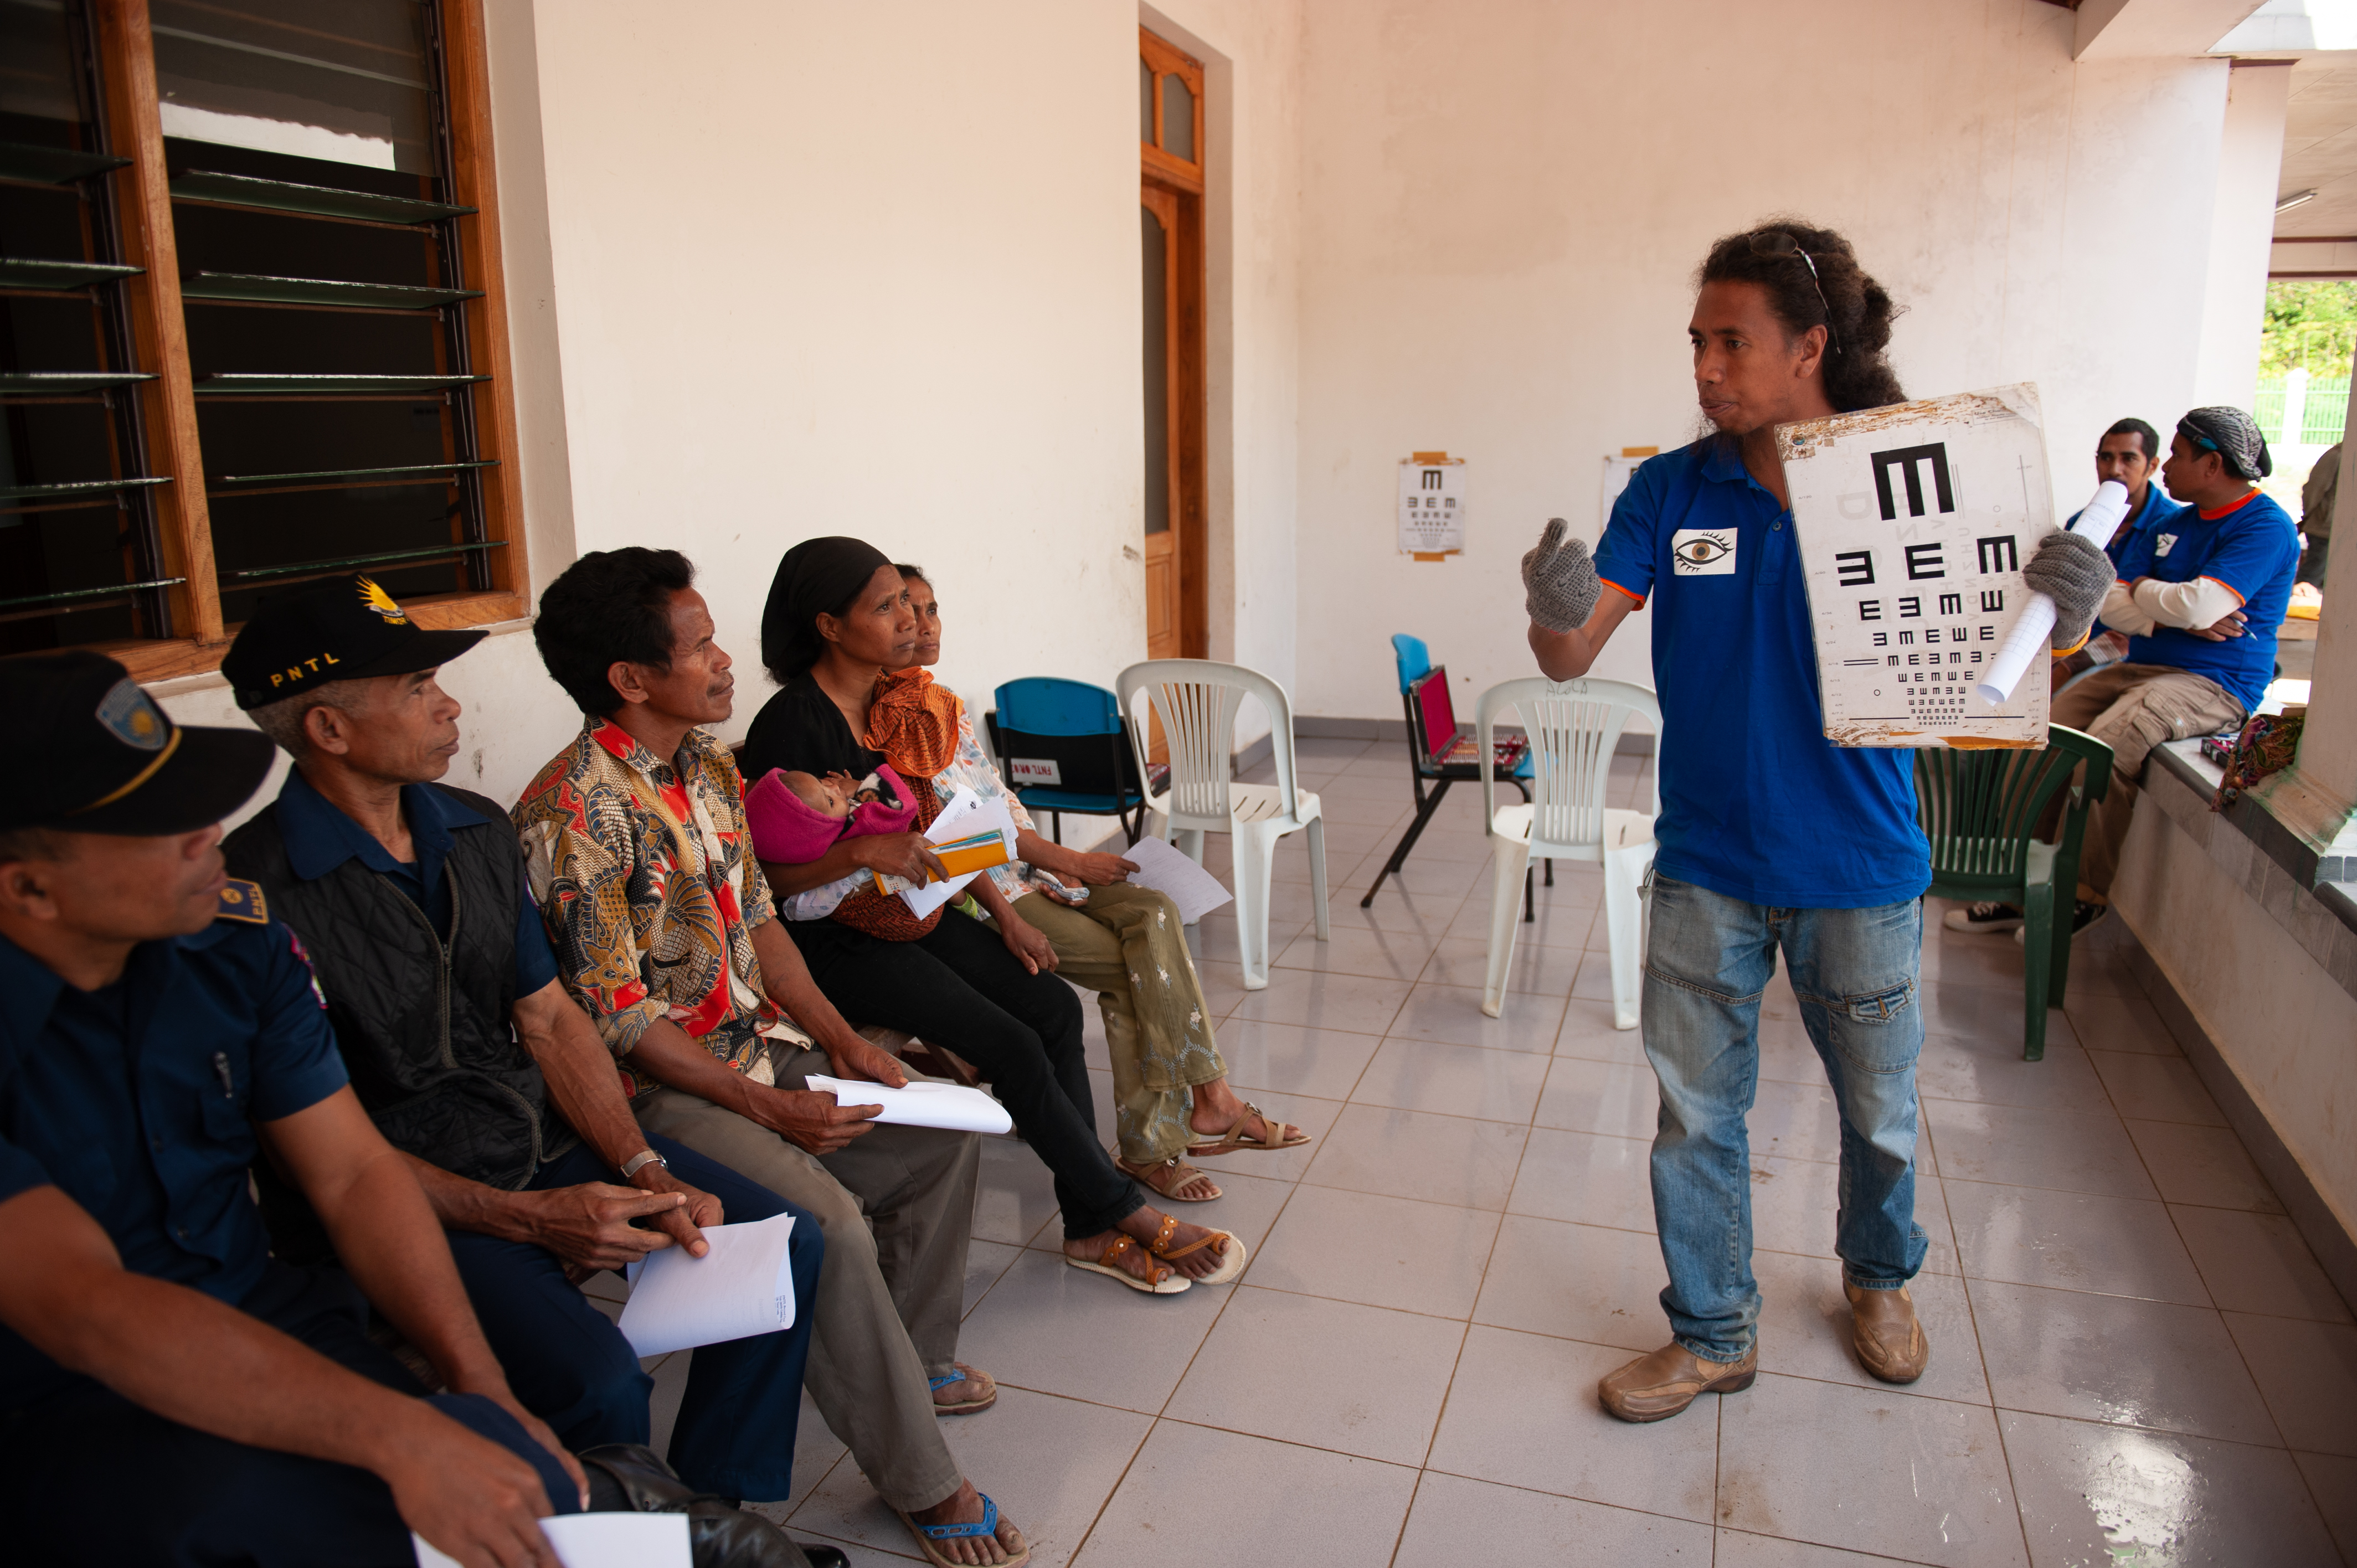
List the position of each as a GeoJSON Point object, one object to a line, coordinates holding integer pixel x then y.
{"type": "Point", "coordinates": [1915, 522]}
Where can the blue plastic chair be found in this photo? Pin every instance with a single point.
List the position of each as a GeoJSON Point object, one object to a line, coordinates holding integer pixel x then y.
{"type": "Point", "coordinates": [1415, 662]}
{"type": "Point", "coordinates": [1078, 730]}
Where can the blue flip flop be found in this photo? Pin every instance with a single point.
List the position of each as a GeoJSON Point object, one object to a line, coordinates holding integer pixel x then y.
{"type": "Point", "coordinates": [965, 1374]}
{"type": "Point", "coordinates": [927, 1534]}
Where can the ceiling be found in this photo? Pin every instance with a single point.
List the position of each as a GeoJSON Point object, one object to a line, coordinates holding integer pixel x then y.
{"type": "Point", "coordinates": [2320, 145]}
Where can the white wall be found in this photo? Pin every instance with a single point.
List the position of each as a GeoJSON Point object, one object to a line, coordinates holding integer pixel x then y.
{"type": "Point", "coordinates": [779, 270]}
{"type": "Point", "coordinates": [1504, 205]}
{"type": "Point", "coordinates": [830, 269]}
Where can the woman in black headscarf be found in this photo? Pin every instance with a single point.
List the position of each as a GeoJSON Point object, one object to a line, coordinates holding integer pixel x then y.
{"type": "Point", "coordinates": [840, 640]}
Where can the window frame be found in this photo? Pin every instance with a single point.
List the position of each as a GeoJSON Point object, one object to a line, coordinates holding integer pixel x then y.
{"type": "Point", "coordinates": [125, 44]}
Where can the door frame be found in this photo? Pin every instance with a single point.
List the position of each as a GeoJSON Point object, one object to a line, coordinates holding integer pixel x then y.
{"type": "Point", "coordinates": [1181, 179]}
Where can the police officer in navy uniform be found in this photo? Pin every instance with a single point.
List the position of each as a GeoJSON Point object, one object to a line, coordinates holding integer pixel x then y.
{"type": "Point", "coordinates": [168, 1391]}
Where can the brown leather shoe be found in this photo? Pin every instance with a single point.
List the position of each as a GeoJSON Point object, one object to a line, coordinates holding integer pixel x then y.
{"type": "Point", "coordinates": [1656, 1387]}
{"type": "Point", "coordinates": [1889, 1342]}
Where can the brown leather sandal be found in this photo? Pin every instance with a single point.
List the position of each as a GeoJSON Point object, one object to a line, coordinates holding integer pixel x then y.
{"type": "Point", "coordinates": [1232, 1140]}
{"type": "Point", "coordinates": [1167, 1282]}
{"type": "Point", "coordinates": [1169, 1177]}
{"type": "Point", "coordinates": [1232, 1257]}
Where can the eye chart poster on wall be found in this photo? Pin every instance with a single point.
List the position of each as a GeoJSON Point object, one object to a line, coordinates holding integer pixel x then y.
{"type": "Point", "coordinates": [1913, 523]}
{"type": "Point", "coordinates": [1432, 504]}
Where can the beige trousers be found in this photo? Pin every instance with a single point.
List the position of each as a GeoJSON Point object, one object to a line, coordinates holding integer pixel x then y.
{"type": "Point", "coordinates": [1126, 945]}
{"type": "Point", "coordinates": [897, 1207]}
{"type": "Point", "coordinates": [2133, 708]}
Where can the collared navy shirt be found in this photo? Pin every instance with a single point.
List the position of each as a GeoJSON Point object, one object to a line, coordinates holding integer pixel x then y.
{"type": "Point", "coordinates": [137, 1100]}
{"type": "Point", "coordinates": [1757, 804]}
{"type": "Point", "coordinates": [320, 838]}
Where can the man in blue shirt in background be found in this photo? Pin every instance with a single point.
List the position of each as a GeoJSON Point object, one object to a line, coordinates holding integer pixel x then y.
{"type": "Point", "coordinates": [1770, 837]}
{"type": "Point", "coordinates": [2192, 668]}
{"type": "Point", "coordinates": [168, 1391]}
{"type": "Point", "coordinates": [2129, 453]}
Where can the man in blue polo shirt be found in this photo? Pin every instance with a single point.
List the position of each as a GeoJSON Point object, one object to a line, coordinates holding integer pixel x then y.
{"type": "Point", "coordinates": [1770, 838]}
{"type": "Point", "coordinates": [168, 1391]}
{"type": "Point", "coordinates": [2192, 667]}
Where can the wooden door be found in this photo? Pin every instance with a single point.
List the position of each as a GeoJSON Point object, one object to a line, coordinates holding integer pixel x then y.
{"type": "Point", "coordinates": [1165, 510]}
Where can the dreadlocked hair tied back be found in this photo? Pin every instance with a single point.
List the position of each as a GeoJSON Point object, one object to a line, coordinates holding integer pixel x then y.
{"type": "Point", "coordinates": [1855, 311]}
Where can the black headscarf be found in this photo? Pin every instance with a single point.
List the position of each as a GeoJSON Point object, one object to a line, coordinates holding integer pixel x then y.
{"type": "Point", "coordinates": [818, 577]}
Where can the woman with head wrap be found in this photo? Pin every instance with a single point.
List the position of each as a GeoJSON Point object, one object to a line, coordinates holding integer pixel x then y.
{"type": "Point", "coordinates": [839, 639]}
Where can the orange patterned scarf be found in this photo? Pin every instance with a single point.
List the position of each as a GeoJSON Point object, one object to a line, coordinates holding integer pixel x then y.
{"type": "Point", "coordinates": [913, 723]}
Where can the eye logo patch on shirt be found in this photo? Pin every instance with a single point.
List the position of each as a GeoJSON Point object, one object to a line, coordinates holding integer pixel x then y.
{"type": "Point", "coordinates": [1704, 552]}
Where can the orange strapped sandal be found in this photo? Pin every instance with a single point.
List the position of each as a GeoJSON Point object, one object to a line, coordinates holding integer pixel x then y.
{"type": "Point", "coordinates": [1232, 1257]}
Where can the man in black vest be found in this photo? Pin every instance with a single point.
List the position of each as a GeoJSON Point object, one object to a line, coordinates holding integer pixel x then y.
{"type": "Point", "coordinates": [470, 1055]}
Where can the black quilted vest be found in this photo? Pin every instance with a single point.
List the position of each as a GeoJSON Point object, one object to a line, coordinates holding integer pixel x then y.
{"type": "Point", "coordinates": [423, 1025]}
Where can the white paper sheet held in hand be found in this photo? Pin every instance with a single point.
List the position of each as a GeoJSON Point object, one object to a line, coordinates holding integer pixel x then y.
{"type": "Point", "coordinates": [1165, 867]}
{"type": "Point", "coordinates": [742, 1287]}
{"type": "Point", "coordinates": [599, 1540]}
{"type": "Point", "coordinates": [923, 1103]}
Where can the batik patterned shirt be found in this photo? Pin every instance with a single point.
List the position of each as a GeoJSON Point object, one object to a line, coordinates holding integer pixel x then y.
{"type": "Point", "coordinates": [644, 872]}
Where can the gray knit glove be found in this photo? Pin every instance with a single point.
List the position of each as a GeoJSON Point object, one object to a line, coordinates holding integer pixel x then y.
{"type": "Point", "coordinates": [1559, 580]}
{"type": "Point", "coordinates": [2076, 574]}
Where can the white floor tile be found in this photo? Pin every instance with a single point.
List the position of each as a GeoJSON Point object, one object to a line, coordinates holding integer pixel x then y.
{"type": "Point", "coordinates": [1881, 1471]}
{"type": "Point", "coordinates": [1225, 1500]}
{"type": "Point", "coordinates": [2112, 1494]}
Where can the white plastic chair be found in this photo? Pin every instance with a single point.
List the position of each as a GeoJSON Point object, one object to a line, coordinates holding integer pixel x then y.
{"type": "Point", "coordinates": [1574, 728]}
{"type": "Point", "coordinates": [1196, 700]}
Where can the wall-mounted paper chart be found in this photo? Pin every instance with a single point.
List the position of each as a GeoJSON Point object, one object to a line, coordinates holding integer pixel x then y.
{"type": "Point", "coordinates": [1913, 522]}
{"type": "Point", "coordinates": [1432, 504]}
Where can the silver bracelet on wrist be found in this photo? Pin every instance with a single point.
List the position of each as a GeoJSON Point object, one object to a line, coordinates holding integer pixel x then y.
{"type": "Point", "coordinates": [640, 1162]}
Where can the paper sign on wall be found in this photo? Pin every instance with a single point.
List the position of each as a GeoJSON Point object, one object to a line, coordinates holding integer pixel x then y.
{"type": "Point", "coordinates": [1618, 472]}
{"type": "Point", "coordinates": [1913, 522]}
{"type": "Point", "coordinates": [1432, 504]}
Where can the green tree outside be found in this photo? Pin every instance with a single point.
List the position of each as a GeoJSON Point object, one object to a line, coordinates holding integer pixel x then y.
{"type": "Point", "coordinates": [2310, 325]}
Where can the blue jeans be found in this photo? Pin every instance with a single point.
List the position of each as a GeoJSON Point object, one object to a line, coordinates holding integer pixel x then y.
{"type": "Point", "coordinates": [1710, 959]}
{"type": "Point", "coordinates": [571, 1367]}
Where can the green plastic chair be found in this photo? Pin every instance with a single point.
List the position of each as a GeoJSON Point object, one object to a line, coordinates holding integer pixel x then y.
{"type": "Point", "coordinates": [1981, 809]}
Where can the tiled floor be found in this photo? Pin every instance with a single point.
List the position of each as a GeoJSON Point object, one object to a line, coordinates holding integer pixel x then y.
{"type": "Point", "coordinates": [2135, 1357]}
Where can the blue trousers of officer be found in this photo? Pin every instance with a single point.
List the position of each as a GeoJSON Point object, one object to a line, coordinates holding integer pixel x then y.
{"type": "Point", "coordinates": [571, 1367]}
{"type": "Point", "coordinates": [88, 1476]}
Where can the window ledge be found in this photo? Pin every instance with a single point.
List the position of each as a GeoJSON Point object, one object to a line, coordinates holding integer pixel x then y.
{"type": "Point", "coordinates": [2265, 842]}
{"type": "Point", "coordinates": [189, 665]}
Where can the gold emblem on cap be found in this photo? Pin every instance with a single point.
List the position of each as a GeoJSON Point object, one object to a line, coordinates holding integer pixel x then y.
{"type": "Point", "coordinates": [377, 599]}
{"type": "Point", "coordinates": [131, 716]}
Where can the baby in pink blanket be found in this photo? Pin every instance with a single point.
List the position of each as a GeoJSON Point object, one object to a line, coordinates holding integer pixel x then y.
{"type": "Point", "coordinates": [797, 817]}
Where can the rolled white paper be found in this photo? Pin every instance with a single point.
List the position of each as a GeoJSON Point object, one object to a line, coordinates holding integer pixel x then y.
{"type": "Point", "coordinates": [2032, 634]}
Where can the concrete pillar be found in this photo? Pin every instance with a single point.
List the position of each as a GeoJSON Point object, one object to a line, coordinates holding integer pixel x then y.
{"type": "Point", "coordinates": [2242, 233]}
